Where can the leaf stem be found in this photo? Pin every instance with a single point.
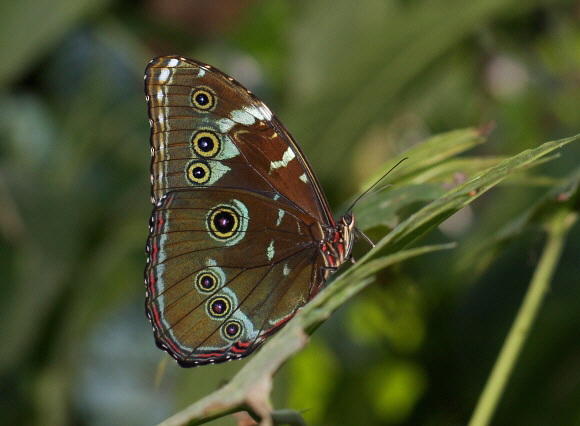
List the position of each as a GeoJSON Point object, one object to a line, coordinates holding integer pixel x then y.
{"type": "Point", "coordinates": [557, 230]}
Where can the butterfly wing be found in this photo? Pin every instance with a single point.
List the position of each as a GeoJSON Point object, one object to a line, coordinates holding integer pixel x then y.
{"type": "Point", "coordinates": [214, 290]}
{"type": "Point", "coordinates": [207, 130]}
{"type": "Point", "coordinates": [220, 158]}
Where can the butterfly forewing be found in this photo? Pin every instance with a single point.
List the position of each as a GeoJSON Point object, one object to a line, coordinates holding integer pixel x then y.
{"type": "Point", "coordinates": [255, 151]}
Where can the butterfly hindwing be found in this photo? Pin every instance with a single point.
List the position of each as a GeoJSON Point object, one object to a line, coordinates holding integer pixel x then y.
{"type": "Point", "coordinates": [226, 268]}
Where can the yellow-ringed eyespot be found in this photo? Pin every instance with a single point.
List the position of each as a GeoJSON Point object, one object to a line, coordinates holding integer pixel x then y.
{"type": "Point", "coordinates": [198, 172]}
{"type": "Point", "coordinates": [203, 98]}
{"type": "Point", "coordinates": [206, 281]}
{"type": "Point", "coordinates": [232, 330]}
{"type": "Point", "coordinates": [205, 143]}
{"type": "Point", "coordinates": [223, 222]}
{"type": "Point", "coordinates": [218, 307]}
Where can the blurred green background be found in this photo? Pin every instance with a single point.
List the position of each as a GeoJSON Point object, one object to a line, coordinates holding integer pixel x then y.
{"type": "Point", "coordinates": [356, 83]}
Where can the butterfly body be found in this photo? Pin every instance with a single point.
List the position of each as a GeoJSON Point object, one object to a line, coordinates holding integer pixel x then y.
{"type": "Point", "coordinates": [241, 235]}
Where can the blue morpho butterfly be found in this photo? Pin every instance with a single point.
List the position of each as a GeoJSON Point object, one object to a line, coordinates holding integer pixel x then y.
{"type": "Point", "coordinates": [241, 235]}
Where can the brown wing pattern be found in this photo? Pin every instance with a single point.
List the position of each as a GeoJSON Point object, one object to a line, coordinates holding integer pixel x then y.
{"type": "Point", "coordinates": [256, 152]}
{"type": "Point", "coordinates": [212, 295]}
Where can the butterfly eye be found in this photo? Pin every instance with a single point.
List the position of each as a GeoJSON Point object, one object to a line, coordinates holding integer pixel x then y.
{"type": "Point", "coordinates": [206, 144]}
{"type": "Point", "coordinates": [223, 222]}
{"type": "Point", "coordinates": [218, 307]}
{"type": "Point", "coordinates": [347, 219]}
{"type": "Point", "coordinates": [206, 282]}
{"type": "Point", "coordinates": [203, 98]}
{"type": "Point", "coordinates": [198, 172]}
{"type": "Point", "coordinates": [232, 330]}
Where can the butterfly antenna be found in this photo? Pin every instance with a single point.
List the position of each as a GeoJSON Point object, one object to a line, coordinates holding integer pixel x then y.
{"type": "Point", "coordinates": [372, 186]}
{"type": "Point", "coordinates": [369, 195]}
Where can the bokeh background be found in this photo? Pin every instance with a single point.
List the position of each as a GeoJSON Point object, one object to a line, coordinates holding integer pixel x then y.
{"type": "Point", "coordinates": [356, 83]}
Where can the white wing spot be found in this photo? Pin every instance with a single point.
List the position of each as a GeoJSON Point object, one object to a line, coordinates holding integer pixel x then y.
{"type": "Point", "coordinates": [271, 250]}
{"type": "Point", "coordinates": [286, 158]}
{"type": "Point", "coordinates": [160, 95]}
{"type": "Point", "coordinates": [303, 178]}
{"type": "Point", "coordinates": [201, 72]}
{"type": "Point", "coordinates": [225, 124]}
{"type": "Point", "coordinates": [242, 117]}
{"type": "Point", "coordinates": [254, 111]}
{"type": "Point", "coordinates": [280, 216]}
{"type": "Point", "coordinates": [286, 271]}
{"type": "Point", "coordinates": [172, 62]}
{"type": "Point", "coordinates": [164, 75]}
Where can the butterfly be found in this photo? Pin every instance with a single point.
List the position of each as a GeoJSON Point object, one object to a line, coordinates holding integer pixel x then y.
{"type": "Point", "coordinates": [241, 235]}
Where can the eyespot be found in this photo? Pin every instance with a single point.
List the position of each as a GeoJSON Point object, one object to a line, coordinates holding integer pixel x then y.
{"type": "Point", "coordinates": [228, 223]}
{"type": "Point", "coordinates": [206, 282]}
{"type": "Point", "coordinates": [231, 330]}
{"type": "Point", "coordinates": [198, 172]}
{"type": "Point", "coordinates": [205, 143]}
{"type": "Point", "coordinates": [218, 307]}
{"type": "Point", "coordinates": [223, 222]}
{"type": "Point", "coordinates": [203, 98]}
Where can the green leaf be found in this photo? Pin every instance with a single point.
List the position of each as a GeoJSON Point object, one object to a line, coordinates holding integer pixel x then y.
{"type": "Point", "coordinates": [422, 159]}
{"type": "Point", "coordinates": [565, 195]}
{"type": "Point", "coordinates": [457, 198]}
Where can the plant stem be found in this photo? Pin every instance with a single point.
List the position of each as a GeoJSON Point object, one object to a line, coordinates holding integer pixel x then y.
{"type": "Point", "coordinates": [557, 230]}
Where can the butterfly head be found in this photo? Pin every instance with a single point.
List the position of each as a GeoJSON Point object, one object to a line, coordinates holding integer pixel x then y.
{"type": "Point", "coordinates": [347, 230]}
{"type": "Point", "coordinates": [337, 246]}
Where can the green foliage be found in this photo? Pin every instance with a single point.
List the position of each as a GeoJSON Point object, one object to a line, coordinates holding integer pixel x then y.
{"type": "Point", "coordinates": [360, 88]}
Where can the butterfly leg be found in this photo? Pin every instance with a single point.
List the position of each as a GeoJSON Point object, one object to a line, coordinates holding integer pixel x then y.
{"type": "Point", "coordinates": [330, 269]}
{"type": "Point", "coordinates": [359, 232]}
